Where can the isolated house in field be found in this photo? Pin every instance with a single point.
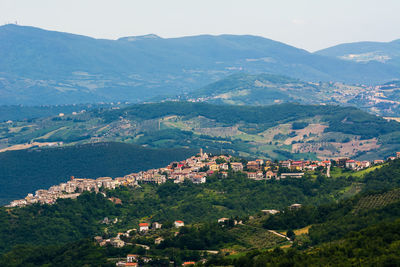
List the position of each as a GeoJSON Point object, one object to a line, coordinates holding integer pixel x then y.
{"type": "Point", "coordinates": [270, 211]}
{"type": "Point", "coordinates": [156, 225]}
{"type": "Point", "coordinates": [295, 206]}
{"type": "Point", "coordinates": [179, 224]}
{"type": "Point", "coordinates": [143, 227]}
{"type": "Point", "coordinates": [223, 220]}
{"type": "Point", "coordinates": [116, 242]}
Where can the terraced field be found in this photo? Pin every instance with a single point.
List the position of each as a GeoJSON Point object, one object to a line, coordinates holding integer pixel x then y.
{"type": "Point", "coordinates": [377, 201]}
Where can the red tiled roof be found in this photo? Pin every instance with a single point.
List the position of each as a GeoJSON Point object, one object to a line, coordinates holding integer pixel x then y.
{"type": "Point", "coordinates": [143, 224]}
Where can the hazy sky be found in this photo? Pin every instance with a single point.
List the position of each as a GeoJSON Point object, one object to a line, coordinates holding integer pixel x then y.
{"type": "Point", "coordinates": [308, 24]}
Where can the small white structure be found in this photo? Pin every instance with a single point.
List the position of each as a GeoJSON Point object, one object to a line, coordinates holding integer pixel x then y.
{"type": "Point", "coordinates": [270, 211]}
{"type": "Point", "coordinates": [156, 225]}
{"type": "Point", "coordinates": [295, 206]}
{"type": "Point", "coordinates": [143, 227]}
{"type": "Point", "coordinates": [158, 240]}
{"type": "Point", "coordinates": [131, 258]}
{"type": "Point", "coordinates": [223, 220]}
{"type": "Point", "coordinates": [179, 224]}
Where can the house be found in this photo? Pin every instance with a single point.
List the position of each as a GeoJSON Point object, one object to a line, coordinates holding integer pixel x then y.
{"type": "Point", "coordinates": [143, 227]}
{"type": "Point", "coordinates": [285, 163]}
{"type": "Point", "coordinates": [260, 175]}
{"type": "Point", "coordinates": [270, 175]}
{"type": "Point", "coordinates": [297, 165]}
{"type": "Point", "coordinates": [270, 211]}
{"type": "Point", "coordinates": [224, 174]}
{"type": "Point", "coordinates": [292, 175]}
{"type": "Point", "coordinates": [311, 167]}
{"type": "Point", "coordinates": [115, 200]}
{"type": "Point", "coordinates": [224, 166]}
{"type": "Point", "coordinates": [237, 166]}
{"type": "Point", "coordinates": [295, 206]}
{"type": "Point", "coordinates": [214, 167]}
{"type": "Point", "coordinates": [158, 240]}
{"type": "Point", "coordinates": [398, 155]}
{"type": "Point", "coordinates": [253, 165]}
{"type": "Point", "coordinates": [179, 224]}
{"type": "Point", "coordinates": [131, 257]}
{"type": "Point", "coordinates": [223, 220]}
{"type": "Point", "coordinates": [260, 161]}
{"type": "Point", "coordinates": [116, 242]}
{"type": "Point", "coordinates": [98, 239]}
{"type": "Point", "coordinates": [351, 164]}
{"type": "Point", "coordinates": [365, 164]}
{"type": "Point", "coordinates": [120, 264]}
{"type": "Point", "coordinates": [131, 264]}
{"type": "Point", "coordinates": [252, 175]}
{"type": "Point", "coordinates": [188, 263]}
{"type": "Point", "coordinates": [156, 225]}
{"type": "Point", "coordinates": [378, 161]}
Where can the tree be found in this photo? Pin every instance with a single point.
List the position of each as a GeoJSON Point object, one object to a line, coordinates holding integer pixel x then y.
{"type": "Point", "coordinates": [291, 234]}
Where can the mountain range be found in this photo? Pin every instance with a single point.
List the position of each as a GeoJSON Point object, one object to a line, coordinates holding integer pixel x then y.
{"type": "Point", "coordinates": [47, 67]}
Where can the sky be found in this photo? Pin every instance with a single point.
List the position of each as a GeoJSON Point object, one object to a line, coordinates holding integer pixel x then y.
{"type": "Point", "coordinates": [307, 24]}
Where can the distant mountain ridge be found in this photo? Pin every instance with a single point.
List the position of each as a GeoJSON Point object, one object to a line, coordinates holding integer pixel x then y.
{"type": "Point", "coordinates": [387, 52]}
{"type": "Point", "coordinates": [47, 67]}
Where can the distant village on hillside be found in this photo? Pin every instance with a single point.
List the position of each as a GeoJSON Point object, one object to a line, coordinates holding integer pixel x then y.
{"type": "Point", "coordinates": [194, 169]}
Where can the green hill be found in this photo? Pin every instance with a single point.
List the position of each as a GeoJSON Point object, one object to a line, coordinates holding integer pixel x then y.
{"type": "Point", "coordinates": [276, 131]}
{"type": "Point", "coordinates": [340, 232]}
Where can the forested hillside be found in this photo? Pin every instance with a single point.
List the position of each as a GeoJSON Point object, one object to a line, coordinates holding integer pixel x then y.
{"type": "Point", "coordinates": [362, 228]}
{"type": "Point", "coordinates": [25, 171]}
{"type": "Point", "coordinates": [276, 131]}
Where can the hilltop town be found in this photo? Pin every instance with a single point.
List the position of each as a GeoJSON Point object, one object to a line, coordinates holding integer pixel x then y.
{"type": "Point", "coordinates": [194, 169]}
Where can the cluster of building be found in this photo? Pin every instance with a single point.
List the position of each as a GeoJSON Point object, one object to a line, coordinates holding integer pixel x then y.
{"type": "Point", "coordinates": [133, 260]}
{"type": "Point", "coordinates": [142, 229]}
{"type": "Point", "coordinates": [194, 169]}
